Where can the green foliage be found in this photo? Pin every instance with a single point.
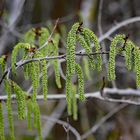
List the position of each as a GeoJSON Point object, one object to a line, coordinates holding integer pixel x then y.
{"type": "Point", "coordinates": [2, 137]}
{"type": "Point", "coordinates": [112, 54]}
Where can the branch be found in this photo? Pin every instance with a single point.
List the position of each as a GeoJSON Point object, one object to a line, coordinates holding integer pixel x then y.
{"type": "Point", "coordinates": [23, 62]}
{"type": "Point", "coordinates": [133, 96]}
{"type": "Point", "coordinates": [103, 120]}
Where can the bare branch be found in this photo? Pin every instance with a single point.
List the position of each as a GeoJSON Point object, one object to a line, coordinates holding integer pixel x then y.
{"type": "Point", "coordinates": [103, 120]}
{"type": "Point", "coordinates": [133, 96]}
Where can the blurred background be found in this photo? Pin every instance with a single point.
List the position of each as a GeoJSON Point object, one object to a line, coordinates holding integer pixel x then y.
{"type": "Point", "coordinates": [18, 16]}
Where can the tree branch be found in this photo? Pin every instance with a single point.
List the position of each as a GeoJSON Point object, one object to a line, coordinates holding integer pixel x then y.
{"type": "Point", "coordinates": [132, 95]}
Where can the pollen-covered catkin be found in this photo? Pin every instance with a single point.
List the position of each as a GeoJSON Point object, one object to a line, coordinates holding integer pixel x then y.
{"type": "Point", "coordinates": [80, 82]}
{"type": "Point", "coordinates": [137, 65]}
{"type": "Point", "coordinates": [56, 62]}
{"type": "Point", "coordinates": [94, 38]}
{"type": "Point", "coordinates": [44, 35]}
{"type": "Point", "coordinates": [9, 109]}
{"type": "Point", "coordinates": [21, 103]}
{"type": "Point", "coordinates": [2, 137]}
{"type": "Point", "coordinates": [2, 63]}
{"type": "Point", "coordinates": [37, 119]}
{"type": "Point", "coordinates": [29, 113]}
{"type": "Point", "coordinates": [74, 102]}
{"type": "Point", "coordinates": [15, 52]}
{"type": "Point", "coordinates": [112, 54]}
{"type": "Point", "coordinates": [29, 36]}
{"type": "Point", "coordinates": [86, 68]}
{"type": "Point", "coordinates": [88, 50]}
{"type": "Point", "coordinates": [128, 54]}
{"type": "Point", "coordinates": [44, 78]}
{"type": "Point", "coordinates": [68, 94]}
{"type": "Point", "coordinates": [35, 68]}
{"type": "Point", "coordinates": [71, 43]}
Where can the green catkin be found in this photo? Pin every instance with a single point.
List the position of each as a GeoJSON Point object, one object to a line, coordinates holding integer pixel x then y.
{"type": "Point", "coordinates": [137, 65]}
{"type": "Point", "coordinates": [2, 137]}
{"type": "Point", "coordinates": [71, 43]}
{"type": "Point", "coordinates": [56, 62]}
{"type": "Point", "coordinates": [87, 48]}
{"type": "Point", "coordinates": [29, 36]}
{"type": "Point", "coordinates": [68, 94]}
{"type": "Point", "coordinates": [37, 120]}
{"type": "Point", "coordinates": [80, 82]}
{"type": "Point", "coordinates": [15, 52]}
{"type": "Point", "coordinates": [128, 54]}
{"type": "Point", "coordinates": [43, 37]}
{"type": "Point", "coordinates": [94, 38]}
{"type": "Point", "coordinates": [44, 78]}
{"type": "Point", "coordinates": [27, 70]}
{"type": "Point", "coordinates": [35, 68]}
{"type": "Point", "coordinates": [2, 63]}
{"type": "Point", "coordinates": [9, 109]}
{"type": "Point", "coordinates": [21, 103]}
{"type": "Point", "coordinates": [86, 68]}
{"type": "Point", "coordinates": [29, 113]}
{"type": "Point", "coordinates": [112, 55]}
{"type": "Point", "coordinates": [74, 102]}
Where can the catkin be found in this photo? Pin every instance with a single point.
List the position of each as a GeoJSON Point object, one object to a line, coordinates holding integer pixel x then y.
{"type": "Point", "coordinates": [68, 94]}
{"type": "Point", "coordinates": [29, 36]}
{"type": "Point", "coordinates": [9, 109]}
{"type": "Point", "coordinates": [71, 43]}
{"type": "Point", "coordinates": [88, 50]}
{"type": "Point", "coordinates": [112, 55]}
{"type": "Point", "coordinates": [80, 82]}
{"type": "Point", "coordinates": [56, 62]}
{"type": "Point", "coordinates": [74, 102]}
{"type": "Point", "coordinates": [86, 68]}
{"type": "Point", "coordinates": [15, 52]}
{"type": "Point", "coordinates": [2, 137]}
{"type": "Point", "coordinates": [137, 65]}
{"type": "Point", "coordinates": [37, 120]}
{"type": "Point", "coordinates": [2, 63]}
{"type": "Point", "coordinates": [35, 68]}
{"type": "Point", "coordinates": [21, 103]}
{"type": "Point", "coordinates": [94, 38]}
{"type": "Point", "coordinates": [29, 113]}
{"type": "Point", "coordinates": [128, 54]}
{"type": "Point", "coordinates": [44, 78]}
